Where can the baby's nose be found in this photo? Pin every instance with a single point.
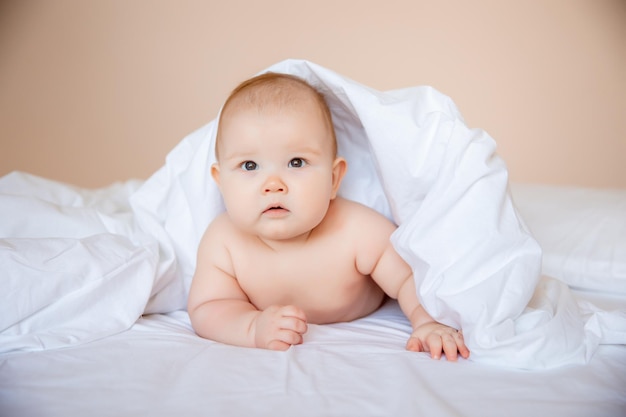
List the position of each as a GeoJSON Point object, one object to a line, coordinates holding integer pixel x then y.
{"type": "Point", "coordinates": [274, 185]}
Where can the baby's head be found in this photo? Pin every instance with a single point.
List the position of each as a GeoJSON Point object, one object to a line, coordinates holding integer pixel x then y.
{"type": "Point", "coordinates": [271, 92]}
{"type": "Point", "coordinates": [277, 167]}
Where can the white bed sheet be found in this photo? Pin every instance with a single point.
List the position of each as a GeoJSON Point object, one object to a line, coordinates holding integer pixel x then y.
{"type": "Point", "coordinates": [411, 157]}
{"type": "Point", "coordinates": [160, 368]}
{"type": "Point", "coordinates": [79, 267]}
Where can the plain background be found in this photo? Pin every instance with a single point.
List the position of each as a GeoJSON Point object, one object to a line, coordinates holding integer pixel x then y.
{"type": "Point", "coordinates": [93, 92]}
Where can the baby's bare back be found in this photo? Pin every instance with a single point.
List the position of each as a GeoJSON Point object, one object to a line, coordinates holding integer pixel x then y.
{"type": "Point", "coordinates": [327, 276]}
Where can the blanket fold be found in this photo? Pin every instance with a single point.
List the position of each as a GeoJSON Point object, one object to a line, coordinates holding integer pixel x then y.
{"type": "Point", "coordinates": [412, 158]}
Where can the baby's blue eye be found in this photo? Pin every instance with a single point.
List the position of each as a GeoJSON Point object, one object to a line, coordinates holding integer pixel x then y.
{"type": "Point", "coordinates": [249, 166]}
{"type": "Point", "coordinates": [297, 163]}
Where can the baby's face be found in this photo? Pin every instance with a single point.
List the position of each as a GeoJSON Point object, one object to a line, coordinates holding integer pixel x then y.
{"type": "Point", "coordinates": [277, 171]}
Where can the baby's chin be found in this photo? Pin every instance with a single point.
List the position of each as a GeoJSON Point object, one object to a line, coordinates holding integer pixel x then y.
{"type": "Point", "coordinates": [284, 236]}
{"type": "Point", "coordinates": [281, 230]}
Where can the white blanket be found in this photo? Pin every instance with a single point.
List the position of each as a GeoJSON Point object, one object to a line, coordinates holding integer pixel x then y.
{"type": "Point", "coordinates": [412, 158]}
{"type": "Point", "coordinates": [69, 269]}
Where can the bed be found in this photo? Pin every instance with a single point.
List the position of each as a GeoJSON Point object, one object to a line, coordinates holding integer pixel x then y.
{"type": "Point", "coordinates": [94, 285]}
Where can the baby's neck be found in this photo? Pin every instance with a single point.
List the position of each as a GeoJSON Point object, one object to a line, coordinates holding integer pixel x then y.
{"type": "Point", "coordinates": [282, 245]}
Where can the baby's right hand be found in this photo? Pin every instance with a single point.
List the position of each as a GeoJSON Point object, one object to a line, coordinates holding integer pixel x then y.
{"type": "Point", "coordinates": [279, 327]}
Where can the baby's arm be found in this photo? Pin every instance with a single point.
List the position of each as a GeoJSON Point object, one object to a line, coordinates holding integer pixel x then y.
{"type": "Point", "coordinates": [428, 335]}
{"type": "Point", "coordinates": [395, 277]}
{"type": "Point", "coordinates": [221, 311]}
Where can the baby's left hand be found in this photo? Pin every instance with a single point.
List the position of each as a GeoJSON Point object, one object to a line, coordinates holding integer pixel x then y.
{"type": "Point", "coordinates": [437, 338]}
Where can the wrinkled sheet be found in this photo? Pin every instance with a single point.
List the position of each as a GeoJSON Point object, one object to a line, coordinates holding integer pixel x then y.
{"type": "Point", "coordinates": [412, 158]}
{"type": "Point", "coordinates": [72, 267]}
{"type": "Point", "coordinates": [160, 368]}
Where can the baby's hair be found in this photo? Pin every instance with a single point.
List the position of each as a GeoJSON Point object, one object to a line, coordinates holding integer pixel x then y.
{"type": "Point", "coordinates": [275, 90]}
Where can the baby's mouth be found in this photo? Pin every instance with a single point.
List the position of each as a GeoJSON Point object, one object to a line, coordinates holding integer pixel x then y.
{"type": "Point", "coordinates": [275, 209]}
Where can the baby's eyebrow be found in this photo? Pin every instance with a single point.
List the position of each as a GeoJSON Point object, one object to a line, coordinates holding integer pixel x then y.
{"type": "Point", "coordinates": [307, 150]}
{"type": "Point", "coordinates": [239, 155]}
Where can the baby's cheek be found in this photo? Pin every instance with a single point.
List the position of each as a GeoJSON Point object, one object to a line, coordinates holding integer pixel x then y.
{"type": "Point", "coordinates": [240, 218]}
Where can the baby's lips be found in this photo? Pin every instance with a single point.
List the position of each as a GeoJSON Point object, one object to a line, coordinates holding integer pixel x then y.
{"type": "Point", "coordinates": [274, 206]}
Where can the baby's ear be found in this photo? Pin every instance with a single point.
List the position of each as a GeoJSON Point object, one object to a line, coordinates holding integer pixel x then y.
{"type": "Point", "coordinates": [215, 173]}
{"type": "Point", "coordinates": [340, 167]}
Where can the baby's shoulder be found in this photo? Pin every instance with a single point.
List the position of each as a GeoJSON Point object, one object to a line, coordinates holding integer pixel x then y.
{"type": "Point", "coordinates": [352, 212]}
{"type": "Point", "coordinates": [220, 222]}
{"type": "Point", "coordinates": [219, 228]}
{"type": "Point", "coordinates": [366, 230]}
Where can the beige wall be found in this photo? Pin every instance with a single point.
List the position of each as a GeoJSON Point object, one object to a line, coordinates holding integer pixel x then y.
{"type": "Point", "coordinates": [93, 92]}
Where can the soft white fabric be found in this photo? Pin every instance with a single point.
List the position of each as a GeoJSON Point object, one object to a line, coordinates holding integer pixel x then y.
{"type": "Point", "coordinates": [582, 232]}
{"type": "Point", "coordinates": [61, 291]}
{"type": "Point", "coordinates": [412, 158]}
{"type": "Point", "coordinates": [72, 266]}
{"type": "Point", "coordinates": [35, 207]}
{"type": "Point", "coordinates": [160, 368]}
{"type": "Point", "coordinates": [112, 200]}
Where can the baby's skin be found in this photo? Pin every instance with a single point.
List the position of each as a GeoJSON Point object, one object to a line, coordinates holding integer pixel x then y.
{"type": "Point", "coordinates": [288, 251]}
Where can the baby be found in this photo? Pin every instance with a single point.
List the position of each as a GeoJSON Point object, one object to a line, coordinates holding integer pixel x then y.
{"type": "Point", "coordinates": [288, 251]}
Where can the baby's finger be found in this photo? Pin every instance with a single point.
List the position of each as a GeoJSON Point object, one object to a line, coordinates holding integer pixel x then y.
{"type": "Point", "coordinates": [435, 345]}
{"type": "Point", "coordinates": [460, 343]}
{"type": "Point", "coordinates": [283, 339]}
{"type": "Point", "coordinates": [293, 311]}
{"type": "Point", "coordinates": [289, 337]}
{"type": "Point", "coordinates": [414, 345]}
{"type": "Point", "coordinates": [450, 347]}
{"type": "Point", "coordinates": [293, 324]}
{"type": "Point", "coordinates": [278, 345]}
